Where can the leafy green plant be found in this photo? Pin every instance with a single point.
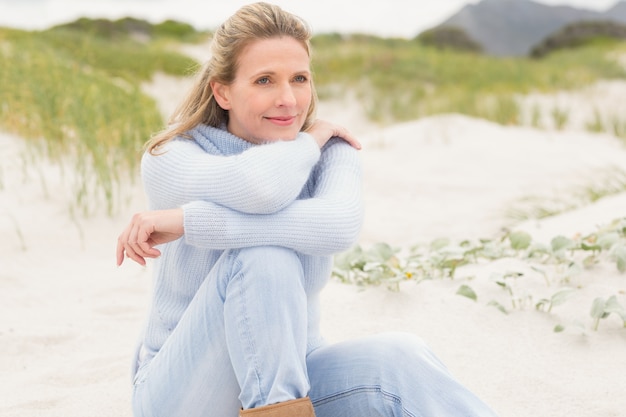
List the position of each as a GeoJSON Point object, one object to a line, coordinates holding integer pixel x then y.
{"type": "Point", "coordinates": [467, 291]}
{"type": "Point", "coordinates": [618, 253]}
{"type": "Point", "coordinates": [371, 267]}
{"type": "Point", "coordinates": [559, 297]}
{"type": "Point", "coordinates": [602, 308]}
{"type": "Point", "coordinates": [558, 262]}
{"type": "Point", "coordinates": [519, 240]}
{"type": "Point", "coordinates": [506, 281]}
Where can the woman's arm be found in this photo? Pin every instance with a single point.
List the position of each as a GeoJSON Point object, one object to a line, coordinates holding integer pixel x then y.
{"type": "Point", "coordinates": [263, 179]}
{"type": "Point", "coordinates": [327, 223]}
{"type": "Point", "coordinates": [324, 224]}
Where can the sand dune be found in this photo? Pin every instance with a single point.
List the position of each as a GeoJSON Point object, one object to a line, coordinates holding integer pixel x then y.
{"type": "Point", "coordinates": [71, 317]}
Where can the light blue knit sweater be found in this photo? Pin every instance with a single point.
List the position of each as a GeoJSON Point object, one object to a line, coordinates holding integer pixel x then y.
{"type": "Point", "coordinates": [236, 194]}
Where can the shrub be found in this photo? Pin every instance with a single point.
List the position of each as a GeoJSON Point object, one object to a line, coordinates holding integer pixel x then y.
{"type": "Point", "coordinates": [131, 27]}
{"type": "Point", "coordinates": [449, 37]}
{"type": "Point", "coordinates": [578, 34]}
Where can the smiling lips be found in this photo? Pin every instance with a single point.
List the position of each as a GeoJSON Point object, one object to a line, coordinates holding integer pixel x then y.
{"type": "Point", "coordinates": [282, 120]}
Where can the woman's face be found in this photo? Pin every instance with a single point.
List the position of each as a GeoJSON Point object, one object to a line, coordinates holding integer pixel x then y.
{"type": "Point", "coordinates": [271, 93]}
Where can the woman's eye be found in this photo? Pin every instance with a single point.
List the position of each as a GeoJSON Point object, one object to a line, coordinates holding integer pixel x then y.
{"type": "Point", "coordinates": [300, 79]}
{"type": "Point", "coordinates": [263, 80]}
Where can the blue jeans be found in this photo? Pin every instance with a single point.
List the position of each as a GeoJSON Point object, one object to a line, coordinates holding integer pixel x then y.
{"type": "Point", "coordinates": [249, 338]}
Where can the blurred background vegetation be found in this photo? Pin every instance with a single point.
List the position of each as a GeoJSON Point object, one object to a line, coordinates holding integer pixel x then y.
{"type": "Point", "coordinates": [75, 91]}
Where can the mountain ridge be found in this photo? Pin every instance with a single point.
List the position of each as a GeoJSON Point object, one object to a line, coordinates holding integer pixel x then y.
{"type": "Point", "coordinates": [514, 27]}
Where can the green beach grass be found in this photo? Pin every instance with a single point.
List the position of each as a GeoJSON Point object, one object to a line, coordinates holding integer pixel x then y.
{"type": "Point", "coordinates": [78, 98]}
{"type": "Point", "coordinates": [400, 79]}
{"type": "Point", "coordinates": [74, 93]}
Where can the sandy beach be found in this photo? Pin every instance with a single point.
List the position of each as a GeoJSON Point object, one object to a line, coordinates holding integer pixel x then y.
{"type": "Point", "coordinates": [71, 317]}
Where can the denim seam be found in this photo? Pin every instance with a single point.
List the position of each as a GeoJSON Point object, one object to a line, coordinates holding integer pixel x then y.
{"type": "Point", "coordinates": [377, 389]}
{"type": "Point", "coordinates": [245, 335]}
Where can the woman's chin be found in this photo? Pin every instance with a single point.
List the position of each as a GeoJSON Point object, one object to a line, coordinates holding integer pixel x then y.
{"type": "Point", "coordinates": [282, 135]}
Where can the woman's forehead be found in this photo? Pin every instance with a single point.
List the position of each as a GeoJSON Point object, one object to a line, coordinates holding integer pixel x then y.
{"type": "Point", "coordinates": [274, 53]}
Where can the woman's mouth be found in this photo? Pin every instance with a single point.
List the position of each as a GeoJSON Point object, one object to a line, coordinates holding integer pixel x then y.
{"type": "Point", "coordinates": [282, 120]}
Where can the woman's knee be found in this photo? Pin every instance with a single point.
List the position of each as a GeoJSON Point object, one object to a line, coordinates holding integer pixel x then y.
{"type": "Point", "coordinates": [373, 359]}
{"type": "Point", "coordinates": [268, 253]}
{"type": "Point", "coordinates": [410, 346]}
{"type": "Point", "coordinates": [395, 355]}
{"type": "Point", "coordinates": [273, 265]}
{"type": "Point", "coordinates": [390, 345]}
{"type": "Point", "coordinates": [377, 371]}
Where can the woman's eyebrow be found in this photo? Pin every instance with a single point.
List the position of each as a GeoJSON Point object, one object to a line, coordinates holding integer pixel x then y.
{"type": "Point", "coordinates": [273, 72]}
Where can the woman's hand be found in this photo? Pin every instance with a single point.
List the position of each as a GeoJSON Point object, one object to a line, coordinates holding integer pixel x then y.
{"type": "Point", "coordinates": [322, 131]}
{"type": "Point", "coordinates": [146, 230]}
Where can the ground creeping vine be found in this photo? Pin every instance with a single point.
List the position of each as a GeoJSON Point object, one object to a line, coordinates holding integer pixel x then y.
{"type": "Point", "coordinates": [558, 263]}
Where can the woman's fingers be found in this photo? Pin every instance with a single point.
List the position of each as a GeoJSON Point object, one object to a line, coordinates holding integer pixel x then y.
{"type": "Point", "coordinates": [128, 243]}
{"type": "Point", "coordinates": [322, 131]}
{"type": "Point", "coordinates": [351, 139]}
{"type": "Point", "coordinates": [119, 250]}
{"type": "Point", "coordinates": [128, 250]}
{"type": "Point", "coordinates": [146, 230]}
{"type": "Point", "coordinates": [147, 250]}
{"type": "Point", "coordinates": [130, 253]}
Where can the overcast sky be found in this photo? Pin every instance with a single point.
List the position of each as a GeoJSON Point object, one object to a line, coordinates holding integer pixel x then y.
{"type": "Point", "coordinates": [386, 18]}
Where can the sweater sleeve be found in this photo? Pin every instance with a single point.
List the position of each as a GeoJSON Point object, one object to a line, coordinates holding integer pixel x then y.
{"type": "Point", "coordinates": [260, 180]}
{"type": "Point", "coordinates": [324, 224]}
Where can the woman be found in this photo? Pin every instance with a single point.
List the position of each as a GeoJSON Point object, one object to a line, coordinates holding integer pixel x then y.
{"type": "Point", "coordinates": [250, 197]}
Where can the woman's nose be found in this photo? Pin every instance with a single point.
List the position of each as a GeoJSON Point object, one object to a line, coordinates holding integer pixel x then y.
{"type": "Point", "coordinates": [286, 96]}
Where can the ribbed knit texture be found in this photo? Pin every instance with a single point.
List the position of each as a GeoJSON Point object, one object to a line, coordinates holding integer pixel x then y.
{"type": "Point", "coordinates": [236, 194]}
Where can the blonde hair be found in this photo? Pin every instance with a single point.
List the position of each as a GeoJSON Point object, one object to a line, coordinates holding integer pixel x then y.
{"type": "Point", "coordinates": [250, 23]}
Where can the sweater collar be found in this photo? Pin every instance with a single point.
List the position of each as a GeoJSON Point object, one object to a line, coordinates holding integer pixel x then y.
{"type": "Point", "coordinates": [213, 139]}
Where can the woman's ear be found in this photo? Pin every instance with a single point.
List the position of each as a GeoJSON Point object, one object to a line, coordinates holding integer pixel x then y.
{"type": "Point", "coordinates": [221, 94]}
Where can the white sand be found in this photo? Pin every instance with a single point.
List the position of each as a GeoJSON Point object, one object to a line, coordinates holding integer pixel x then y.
{"type": "Point", "coordinates": [71, 317]}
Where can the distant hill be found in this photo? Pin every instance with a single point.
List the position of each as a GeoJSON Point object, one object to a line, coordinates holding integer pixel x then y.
{"type": "Point", "coordinates": [514, 27]}
{"type": "Point", "coordinates": [617, 12]}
